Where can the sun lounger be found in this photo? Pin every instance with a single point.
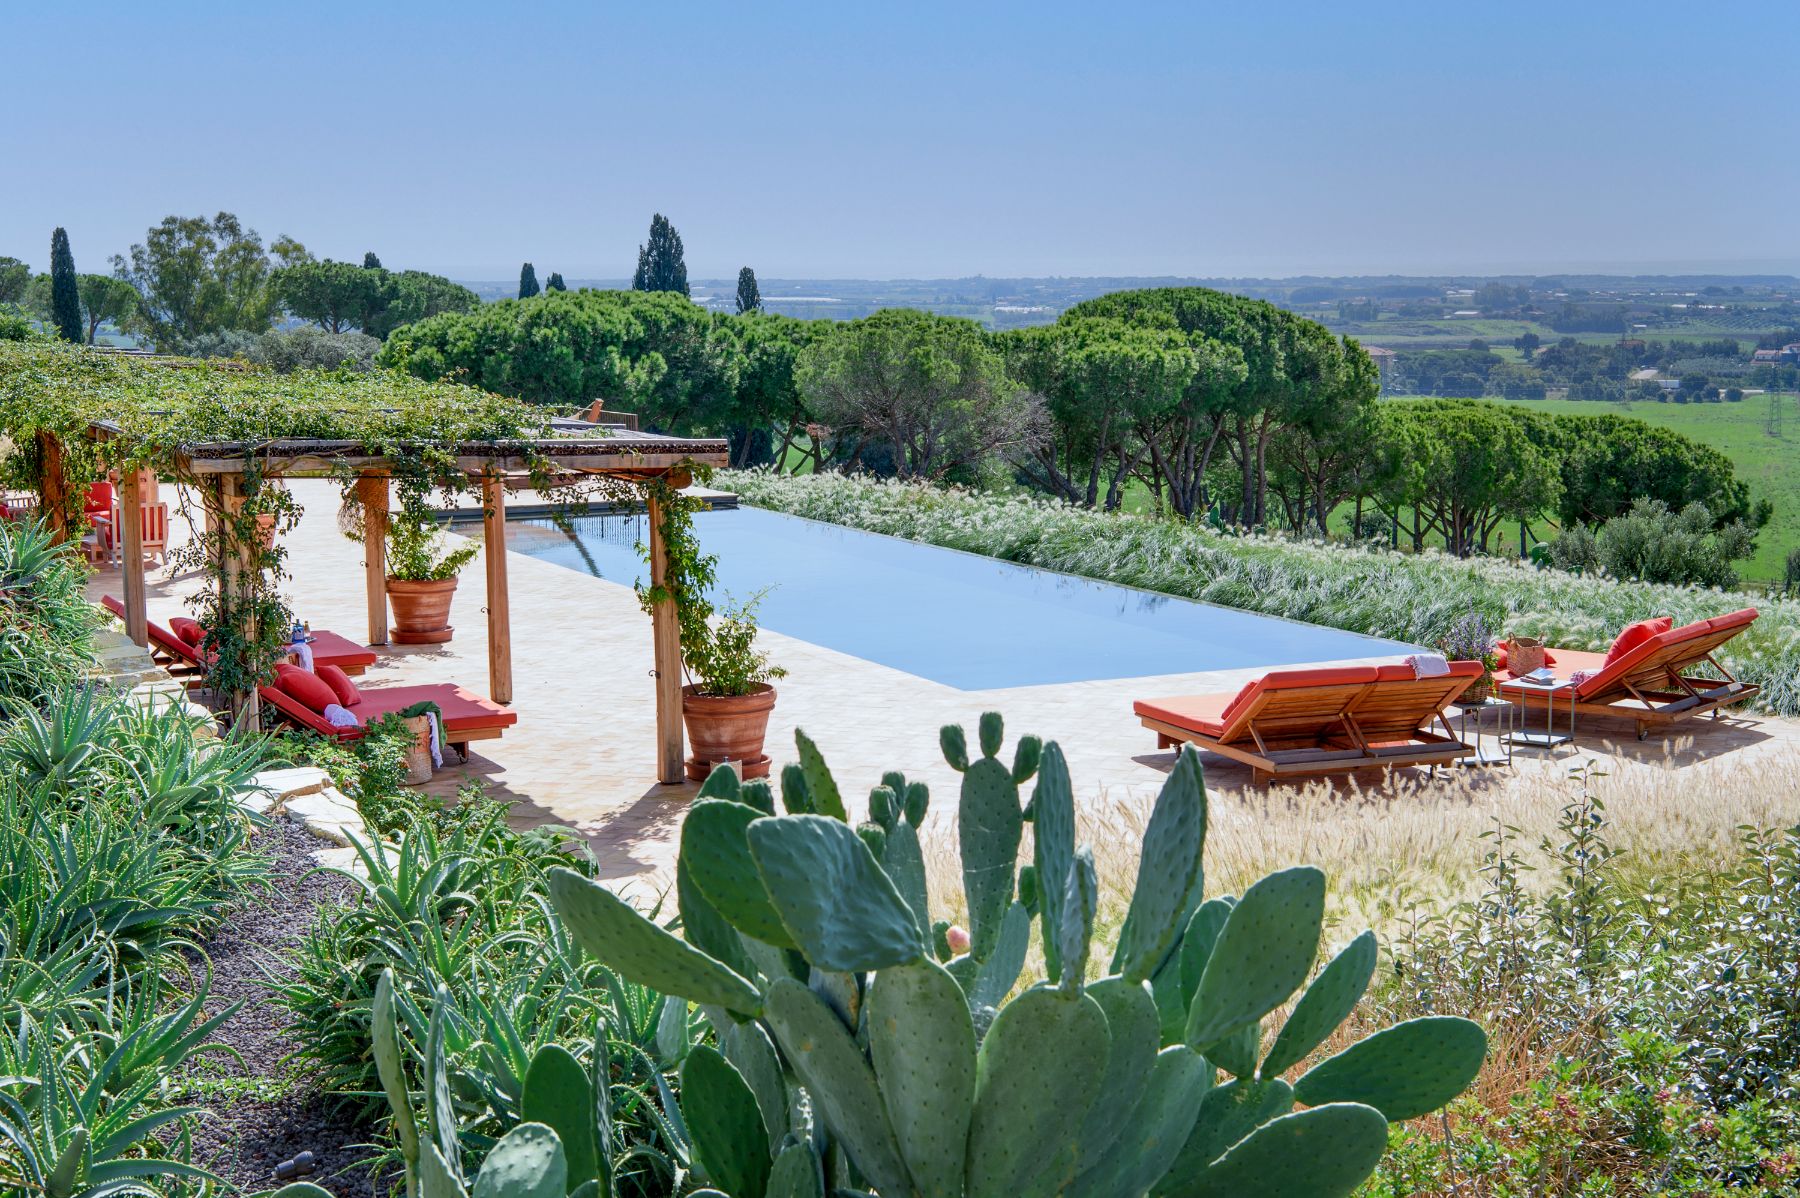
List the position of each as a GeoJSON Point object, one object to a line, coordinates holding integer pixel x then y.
{"type": "Point", "coordinates": [183, 659]}
{"type": "Point", "coordinates": [1668, 677]}
{"type": "Point", "coordinates": [1320, 721]}
{"type": "Point", "coordinates": [467, 716]}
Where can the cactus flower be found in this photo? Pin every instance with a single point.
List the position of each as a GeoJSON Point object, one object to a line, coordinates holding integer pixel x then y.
{"type": "Point", "coordinates": [958, 938]}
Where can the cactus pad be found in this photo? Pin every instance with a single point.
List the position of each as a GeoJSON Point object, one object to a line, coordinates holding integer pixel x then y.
{"type": "Point", "coordinates": [954, 745]}
{"type": "Point", "coordinates": [1198, 941]}
{"type": "Point", "coordinates": [725, 1124]}
{"type": "Point", "coordinates": [923, 1045]}
{"type": "Point", "coordinates": [996, 976]}
{"type": "Point", "coordinates": [1264, 953]}
{"type": "Point", "coordinates": [715, 856]}
{"type": "Point", "coordinates": [1131, 1054]}
{"type": "Point", "coordinates": [819, 783]}
{"type": "Point", "coordinates": [527, 1163]}
{"type": "Point", "coordinates": [1032, 1081]}
{"type": "Point", "coordinates": [752, 1054]}
{"type": "Point", "coordinates": [1157, 1126]}
{"type": "Point", "coordinates": [558, 1094]}
{"type": "Point", "coordinates": [1404, 1071]}
{"type": "Point", "coordinates": [1053, 848]}
{"type": "Point", "coordinates": [843, 1089]}
{"type": "Point", "coordinates": [388, 1067]}
{"type": "Point", "coordinates": [796, 1174]}
{"type": "Point", "coordinates": [1228, 1113]}
{"type": "Point", "coordinates": [833, 897]}
{"type": "Point", "coordinates": [613, 932]}
{"type": "Point", "coordinates": [989, 826]}
{"type": "Point", "coordinates": [1327, 1002]}
{"type": "Point", "coordinates": [1168, 872]}
{"type": "Point", "coordinates": [904, 862]}
{"type": "Point", "coordinates": [1325, 1152]}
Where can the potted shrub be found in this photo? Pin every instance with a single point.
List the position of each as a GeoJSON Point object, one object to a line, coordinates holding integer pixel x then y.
{"type": "Point", "coordinates": [728, 696]}
{"type": "Point", "coordinates": [1472, 639]}
{"type": "Point", "coordinates": [421, 577]}
{"type": "Point", "coordinates": [726, 704]}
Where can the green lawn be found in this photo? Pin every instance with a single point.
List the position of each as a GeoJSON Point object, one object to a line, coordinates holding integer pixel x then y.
{"type": "Point", "coordinates": [1738, 430]}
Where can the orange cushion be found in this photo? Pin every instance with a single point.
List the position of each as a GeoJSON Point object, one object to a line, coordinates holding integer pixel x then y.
{"type": "Point", "coordinates": [1202, 713]}
{"type": "Point", "coordinates": [188, 630]}
{"type": "Point", "coordinates": [306, 687]}
{"type": "Point", "coordinates": [1633, 635]}
{"type": "Point", "coordinates": [340, 684]}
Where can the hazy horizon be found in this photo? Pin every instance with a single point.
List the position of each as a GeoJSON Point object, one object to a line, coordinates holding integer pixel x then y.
{"type": "Point", "coordinates": [929, 142]}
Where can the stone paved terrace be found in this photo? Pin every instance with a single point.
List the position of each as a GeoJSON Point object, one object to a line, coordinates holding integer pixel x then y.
{"type": "Point", "coordinates": [582, 756]}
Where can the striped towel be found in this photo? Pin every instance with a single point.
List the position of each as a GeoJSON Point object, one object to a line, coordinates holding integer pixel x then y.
{"type": "Point", "coordinates": [1428, 665]}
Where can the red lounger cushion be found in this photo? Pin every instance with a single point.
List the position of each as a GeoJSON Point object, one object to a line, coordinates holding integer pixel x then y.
{"type": "Point", "coordinates": [309, 689]}
{"type": "Point", "coordinates": [340, 684]}
{"type": "Point", "coordinates": [464, 711]}
{"type": "Point", "coordinates": [1212, 714]}
{"type": "Point", "coordinates": [188, 630]}
{"type": "Point", "coordinates": [1633, 635]}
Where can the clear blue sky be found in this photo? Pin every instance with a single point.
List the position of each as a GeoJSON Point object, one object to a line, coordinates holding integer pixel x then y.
{"type": "Point", "coordinates": [919, 140]}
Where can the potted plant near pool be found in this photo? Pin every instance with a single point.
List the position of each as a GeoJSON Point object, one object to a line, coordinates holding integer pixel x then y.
{"type": "Point", "coordinates": [727, 702]}
{"type": "Point", "coordinates": [422, 574]}
{"type": "Point", "coordinates": [729, 693]}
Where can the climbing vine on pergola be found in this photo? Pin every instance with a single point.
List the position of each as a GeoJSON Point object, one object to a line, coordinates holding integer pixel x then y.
{"type": "Point", "coordinates": [225, 433]}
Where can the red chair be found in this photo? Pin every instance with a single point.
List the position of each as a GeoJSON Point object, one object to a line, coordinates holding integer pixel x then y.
{"type": "Point", "coordinates": [99, 509]}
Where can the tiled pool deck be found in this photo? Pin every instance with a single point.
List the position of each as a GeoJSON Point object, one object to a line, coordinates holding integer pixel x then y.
{"type": "Point", "coordinates": [581, 754]}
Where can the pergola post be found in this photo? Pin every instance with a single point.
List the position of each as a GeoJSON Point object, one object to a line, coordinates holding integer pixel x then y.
{"type": "Point", "coordinates": [53, 487]}
{"type": "Point", "coordinates": [234, 582]}
{"type": "Point", "coordinates": [372, 493]}
{"type": "Point", "coordinates": [665, 633]}
{"type": "Point", "coordinates": [499, 615]}
{"type": "Point", "coordinates": [131, 569]}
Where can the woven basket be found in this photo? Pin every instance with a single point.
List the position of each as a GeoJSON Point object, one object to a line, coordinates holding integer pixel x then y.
{"type": "Point", "coordinates": [1479, 691]}
{"type": "Point", "coordinates": [1523, 655]}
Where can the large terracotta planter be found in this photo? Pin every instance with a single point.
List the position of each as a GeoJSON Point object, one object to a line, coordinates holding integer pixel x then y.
{"type": "Point", "coordinates": [727, 728]}
{"type": "Point", "coordinates": [421, 610]}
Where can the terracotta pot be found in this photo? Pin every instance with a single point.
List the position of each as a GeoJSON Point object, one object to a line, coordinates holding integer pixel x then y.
{"type": "Point", "coordinates": [421, 610]}
{"type": "Point", "coordinates": [727, 728]}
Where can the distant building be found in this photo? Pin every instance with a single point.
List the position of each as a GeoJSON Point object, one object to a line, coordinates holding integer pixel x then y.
{"type": "Point", "coordinates": [1384, 362]}
{"type": "Point", "coordinates": [1787, 355]}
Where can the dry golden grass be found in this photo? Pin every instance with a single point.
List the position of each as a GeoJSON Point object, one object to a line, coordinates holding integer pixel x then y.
{"type": "Point", "coordinates": [1390, 850]}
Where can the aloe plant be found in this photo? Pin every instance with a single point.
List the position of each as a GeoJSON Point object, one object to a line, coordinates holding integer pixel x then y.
{"type": "Point", "coordinates": [855, 1052]}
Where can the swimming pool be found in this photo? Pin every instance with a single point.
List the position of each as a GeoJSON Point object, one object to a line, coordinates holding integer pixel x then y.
{"type": "Point", "coordinates": [956, 618]}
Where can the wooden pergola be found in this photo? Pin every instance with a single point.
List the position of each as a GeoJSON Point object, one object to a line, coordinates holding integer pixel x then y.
{"type": "Point", "coordinates": [576, 451]}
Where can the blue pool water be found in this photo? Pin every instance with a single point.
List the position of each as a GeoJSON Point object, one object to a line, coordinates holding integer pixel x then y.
{"type": "Point", "coordinates": [956, 618]}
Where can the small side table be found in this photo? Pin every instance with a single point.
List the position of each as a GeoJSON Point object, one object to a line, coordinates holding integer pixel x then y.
{"type": "Point", "coordinates": [1503, 714]}
{"type": "Point", "coordinates": [1549, 738]}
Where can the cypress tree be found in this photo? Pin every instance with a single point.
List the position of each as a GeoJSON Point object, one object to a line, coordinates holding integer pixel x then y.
{"type": "Point", "coordinates": [749, 299]}
{"type": "Point", "coordinates": [370, 261]}
{"type": "Point", "coordinates": [555, 283]}
{"type": "Point", "coordinates": [65, 292]}
{"type": "Point", "coordinates": [528, 284]}
{"type": "Point", "coordinates": [661, 266]}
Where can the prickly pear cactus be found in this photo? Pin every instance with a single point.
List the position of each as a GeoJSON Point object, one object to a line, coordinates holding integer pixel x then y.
{"type": "Point", "coordinates": [859, 1050]}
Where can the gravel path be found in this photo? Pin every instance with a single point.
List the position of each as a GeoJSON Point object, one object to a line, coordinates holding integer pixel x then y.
{"type": "Point", "coordinates": [252, 1133]}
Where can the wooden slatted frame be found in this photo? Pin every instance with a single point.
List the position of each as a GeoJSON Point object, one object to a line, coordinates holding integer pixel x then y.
{"type": "Point", "coordinates": [1661, 684]}
{"type": "Point", "coordinates": [1283, 753]}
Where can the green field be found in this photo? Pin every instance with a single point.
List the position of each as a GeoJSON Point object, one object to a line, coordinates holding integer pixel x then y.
{"type": "Point", "coordinates": [1740, 431]}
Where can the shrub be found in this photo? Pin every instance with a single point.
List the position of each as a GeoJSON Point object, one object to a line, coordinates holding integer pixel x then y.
{"type": "Point", "coordinates": [1407, 597]}
{"type": "Point", "coordinates": [287, 350]}
{"type": "Point", "coordinates": [46, 622]}
{"type": "Point", "coordinates": [1574, 550]}
{"type": "Point", "coordinates": [1650, 543]}
{"type": "Point", "coordinates": [459, 918]}
{"type": "Point", "coordinates": [1654, 1020]}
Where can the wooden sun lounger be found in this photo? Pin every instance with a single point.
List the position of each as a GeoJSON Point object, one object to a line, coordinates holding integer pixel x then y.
{"type": "Point", "coordinates": [1669, 678]}
{"type": "Point", "coordinates": [183, 661]}
{"type": "Point", "coordinates": [1320, 721]}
